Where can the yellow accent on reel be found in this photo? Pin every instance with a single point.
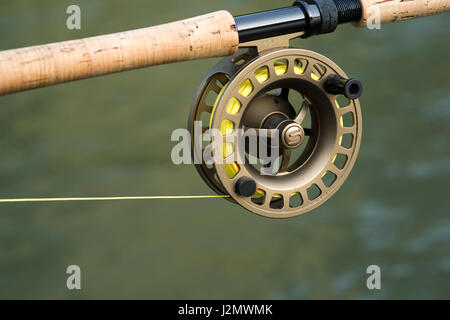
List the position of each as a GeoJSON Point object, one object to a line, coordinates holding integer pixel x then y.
{"type": "Point", "coordinates": [215, 103]}
{"type": "Point", "coordinates": [298, 70]}
{"type": "Point", "coordinates": [315, 77]}
{"type": "Point", "coordinates": [262, 74]}
{"type": "Point", "coordinates": [245, 88]}
{"type": "Point", "coordinates": [233, 106]}
{"type": "Point", "coordinates": [280, 68]}
{"type": "Point", "coordinates": [226, 149]}
{"type": "Point", "coordinates": [226, 127]}
{"type": "Point", "coordinates": [259, 193]}
{"type": "Point", "coordinates": [232, 170]}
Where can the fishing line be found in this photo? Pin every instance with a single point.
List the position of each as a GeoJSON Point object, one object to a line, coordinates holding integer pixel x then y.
{"type": "Point", "coordinates": [108, 198]}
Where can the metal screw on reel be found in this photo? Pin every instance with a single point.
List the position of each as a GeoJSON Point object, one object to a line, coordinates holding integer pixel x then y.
{"type": "Point", "coordinates": [303, 97]}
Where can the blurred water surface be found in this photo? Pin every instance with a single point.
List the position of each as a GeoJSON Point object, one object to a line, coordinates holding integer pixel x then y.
{"type": "Point", "coordinates": [111, 136]}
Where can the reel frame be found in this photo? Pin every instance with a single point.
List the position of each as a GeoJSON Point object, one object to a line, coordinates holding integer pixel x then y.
{"type": "Point", "coordinates": [303, 73]}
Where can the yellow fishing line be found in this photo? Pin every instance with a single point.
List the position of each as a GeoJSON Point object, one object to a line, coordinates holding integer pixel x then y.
{"type": "Point", "coordinates": [108, 198]}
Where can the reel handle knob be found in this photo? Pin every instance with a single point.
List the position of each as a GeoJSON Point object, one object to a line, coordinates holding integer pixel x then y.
{"type": "Point", "coordinates": [350, 88]}
{"type": "Point", "coordinates": [245, 187]}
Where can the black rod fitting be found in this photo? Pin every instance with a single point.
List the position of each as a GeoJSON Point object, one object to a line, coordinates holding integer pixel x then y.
{"type": "Point", "coordinates": [271, 23]}
{"type": "Point", "coordinates": [350, 88]}
{"type": "Point", "coordinates": [348, 10]}
{"type": "Point", "coordinates": [308, 16]}
{"type": "Point", "coordinates": [313, 16]}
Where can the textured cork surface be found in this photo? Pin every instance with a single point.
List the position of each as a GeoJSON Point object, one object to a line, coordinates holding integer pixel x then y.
{"type": "Point", "coordinates": [209, 35]}
{"type": "Point", "coordinates": [396, 10]}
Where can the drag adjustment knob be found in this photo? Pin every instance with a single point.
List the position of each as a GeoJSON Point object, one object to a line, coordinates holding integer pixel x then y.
{"type": "Point", "coordinates": [246, 187]}
{"type": "Point", "coordinates": [350, 88]}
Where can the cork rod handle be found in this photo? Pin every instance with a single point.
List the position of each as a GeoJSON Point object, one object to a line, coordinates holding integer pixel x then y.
{"type": "Point", "coordinates": [395, 10]}
{"type": "Point", "coordinates": [210, 35]}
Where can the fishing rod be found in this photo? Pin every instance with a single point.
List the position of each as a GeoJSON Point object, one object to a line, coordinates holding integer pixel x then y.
{"type": "Point", "coordinates": [319, 137]}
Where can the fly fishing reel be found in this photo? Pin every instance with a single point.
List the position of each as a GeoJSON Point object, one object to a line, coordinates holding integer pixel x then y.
{"type": "Point", "coordinates": [297, 98]}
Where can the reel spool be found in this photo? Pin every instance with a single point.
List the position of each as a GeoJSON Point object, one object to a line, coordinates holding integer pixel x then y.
{"type": "Point", "coordinates": [310, 103]}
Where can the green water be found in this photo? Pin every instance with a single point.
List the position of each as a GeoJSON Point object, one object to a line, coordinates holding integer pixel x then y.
{"type": "Point", "coordinates": [111, 136]}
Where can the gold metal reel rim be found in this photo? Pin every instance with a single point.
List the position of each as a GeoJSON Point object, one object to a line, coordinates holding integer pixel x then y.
{"type": "Point", "coordinates": [247, 72]}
